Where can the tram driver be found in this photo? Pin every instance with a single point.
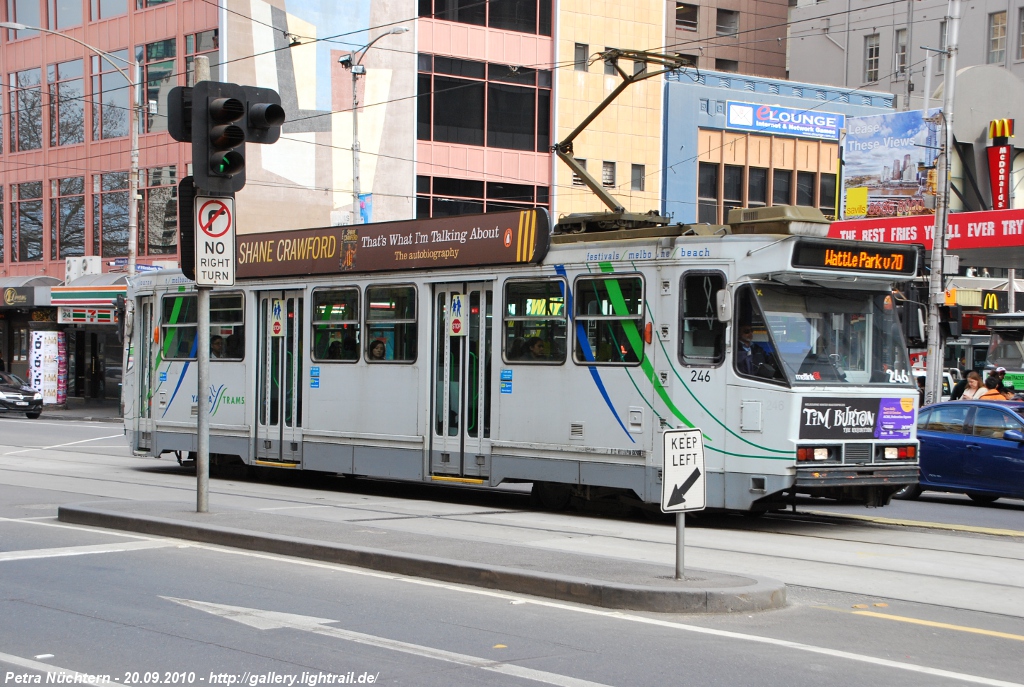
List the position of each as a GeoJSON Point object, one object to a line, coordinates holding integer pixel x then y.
{"type": "Point", "coordinates": [751, 358]}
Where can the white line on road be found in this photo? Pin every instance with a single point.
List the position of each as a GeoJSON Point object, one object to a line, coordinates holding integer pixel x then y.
{"type": "Point", "coordinates": [110, 533]}
{"type": "Point", "coordinates": [270, 620]}
{"type": "Point", "coordinates": [83, 678]}
{"type": "Point", "coordinates": [32, 554]}
{"type": "Point", "coordinates": [618, 615]}
{"type": "Point", "coordinates": [70, 443]}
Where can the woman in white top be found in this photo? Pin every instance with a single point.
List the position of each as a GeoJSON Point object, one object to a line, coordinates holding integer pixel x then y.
{"type": "Point", "coordinates": [974, 386]}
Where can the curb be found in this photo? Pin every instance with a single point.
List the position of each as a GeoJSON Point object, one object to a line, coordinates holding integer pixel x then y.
{"type": "Point", "coordinates": [57, 415]}
{"type": "Point", "coordinates": [973, 529]}
{"type": "Point", "coordinates": [764, 594]}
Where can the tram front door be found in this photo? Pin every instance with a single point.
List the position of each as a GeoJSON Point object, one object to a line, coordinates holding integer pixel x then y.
{"type": "Point", "coordinates": [279, 379]}
{"type": "Point", "coordinates": [461, 416]}
{"type": "Point", "coordinates": [142, 360]}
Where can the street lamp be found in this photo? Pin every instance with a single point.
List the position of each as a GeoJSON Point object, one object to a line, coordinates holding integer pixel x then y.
{"type": "Point", "coordinates": [133, 176]}
{"type": "Point", "coordinates": [353, 62]}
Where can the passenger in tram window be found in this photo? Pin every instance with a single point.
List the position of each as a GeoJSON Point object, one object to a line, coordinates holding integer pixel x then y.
{"type": "Point", "coordinates": [378, 350]}
{"type": "Point", "coordinates": [235, 343]}
{"type": "Point", "coordinates": [216, 346]}
{"type": "Point", "coordinates": [751, 358]}
{"type": "Point", "coordinates": [334, 351]}
{"type": "Point", "coordinates": [533, 349]}
{"type": "Point", "coordinates": [349, 348]}
{"type": "Point", "coordinates": [516, 350]}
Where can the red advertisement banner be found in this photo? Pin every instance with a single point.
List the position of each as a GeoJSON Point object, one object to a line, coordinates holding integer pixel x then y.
{"type": "Point", "coordinates": [999, 175]}
{"type": "Point", "coordinates": [990, 229]}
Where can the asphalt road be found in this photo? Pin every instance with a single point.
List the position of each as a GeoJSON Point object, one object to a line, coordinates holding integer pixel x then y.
{"type": "Point", "coordinates": [157, 611]}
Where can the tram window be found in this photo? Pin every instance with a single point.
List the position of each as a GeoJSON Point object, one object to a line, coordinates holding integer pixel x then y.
{"type": "Point", "coordinates": [702, 339]}
{"type": "Point", "coordinates": [178, 327]}
{"type": "Point", "coordinates": [609, 318]}
{"type": "Point", "coordinates": [391, 320]}
{"type": "Point", "coordinates": [535, 321]}
{"type": "Point", "coordinates": [336, 325]}
{"type": "Point", "coordinates": [753, 350]}
{"type": "Point", "coordinates": [227, 327]}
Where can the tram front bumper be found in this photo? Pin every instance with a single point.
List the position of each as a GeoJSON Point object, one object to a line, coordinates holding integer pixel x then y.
{"type": "Point", "coordinates": [856, 475]}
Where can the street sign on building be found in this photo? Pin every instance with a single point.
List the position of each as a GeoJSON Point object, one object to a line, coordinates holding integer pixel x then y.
{"type": "Point", "coordinates": [215, 241]}
{"type": "Point", "coordinates": [683, 483]}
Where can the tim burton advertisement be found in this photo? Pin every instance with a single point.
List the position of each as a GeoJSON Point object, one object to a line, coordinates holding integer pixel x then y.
{"type": "Point", "coordinates": [856, 418]}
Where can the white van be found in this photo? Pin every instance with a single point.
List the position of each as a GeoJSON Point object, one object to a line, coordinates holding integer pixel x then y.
{"type": "Point", "coordinates": [947, 383]}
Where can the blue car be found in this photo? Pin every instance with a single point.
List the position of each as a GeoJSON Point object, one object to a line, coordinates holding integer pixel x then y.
{"type": "Point", "coordinates": [971, 447]}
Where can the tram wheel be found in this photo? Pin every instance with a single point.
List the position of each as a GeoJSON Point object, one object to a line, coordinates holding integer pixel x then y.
{"type": "Point", "coordinates": [551, 495]}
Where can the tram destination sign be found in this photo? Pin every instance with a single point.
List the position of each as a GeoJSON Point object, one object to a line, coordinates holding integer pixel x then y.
{"type": "Point", "coordinates": [497, 238]}
{"type": "Point", "coordinates": [856, 257]}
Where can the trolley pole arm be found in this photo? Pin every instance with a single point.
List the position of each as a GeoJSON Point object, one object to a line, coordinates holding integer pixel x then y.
{"type": "Point", "coordinates": [563, 149]}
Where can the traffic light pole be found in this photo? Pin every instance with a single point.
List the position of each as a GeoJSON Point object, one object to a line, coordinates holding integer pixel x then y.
{"type": "Point", "coordinates": [202, 73]}
{"type": "Point", "coordinates": [936, 287]}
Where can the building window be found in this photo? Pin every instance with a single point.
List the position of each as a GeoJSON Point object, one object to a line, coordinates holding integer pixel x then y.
{"type": "Point", "coordinates": [391, 319]}
{"type": "Point", "coordinates": [534, 321]}
{"type": "Point", "coordinates": [526, 16]}
{"type": "Point", "coordinates": [726, 65]}
{"type": "Point", "coordinates": [942, 45]}
{"type": "Point", "coordinates": [782, 187]}
{"type": "Point", "coordinates": [703, 335]}
{"type": "Point", "coordinates": [158, 211]}
{"type": "Point", "coordinates": [510, 117]}
{"type": "Point", "coordinates": [996, 37]}
{"type": "Point", "coordinates": [707, 193]}
{"type": "Point", "coordinates": [23, 12]}
{"type": "Point", "coordinates": [105, 9]}
{"type": "Point", "coordinates": [2, 232]}
{"type": "Point", "coordinates": [871, 54]}
{"type": "Point", "coordinates": [67, 217]}
{"type": "Point", "coordinates": [67, 109]}
{"type": "Point", "coordinates": [26, 110]}
{"type": "Point", "coordinates": [637, 178]}
{"type": "Point", "coordinates": [727, 23]}
{"type": "Point", "coordinates": [159, 76]}
{"type": "Point", "coordinates": [1020, 34]}
{"type": "Point", "coordinates": [900, 56]}
{"type": "Point", "coordinates": [202, 43]}
{"type": "Point", "coordinates": [732, 190]}
{"type": "Point", "coordinates": [608, 174]}
{"type": "Point", "coordinates": [805, 188]}
{"type": "Point", "coordinates": [143, 4]}
{"type": "Point", "coordinates": [336, 325]}
{"type": "Point", "coordinates": [581, 57]}
{"type": "Point", "coordinates": [757, 187]}
{"type": "Point", "coordinates": [827, 195]}
{"type": "Point", "coordinates": [64, 13]}
{"type": "Point", "coordinates": [444, 197]}
{"type": "Point", "coordinates": [686, 16]}
{"type": "Point", "coordinates": [609, 318]}
{"type": "Point", "coordinates": [609, 65]}
{"type": "Point", "coordinates": [27, 221]}
{"type": "Point", "coordinates": [577, 180]}
{"type": "Point", "coordinates": [110, 214]}
{"type": "Point", "coordinates": [179, 327]}
{"type": "Point", "coordinates": [110, 94]}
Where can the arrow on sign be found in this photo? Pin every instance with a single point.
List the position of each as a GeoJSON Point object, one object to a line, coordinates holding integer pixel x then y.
{"type": "Point", "coordinates": [270, 620]}
{"type": "Point", "coordinates": [678, 492]}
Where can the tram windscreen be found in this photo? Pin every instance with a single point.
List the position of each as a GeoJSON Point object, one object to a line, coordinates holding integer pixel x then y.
{"type": "Point", "coordinates": [829, 336]}
{"type": "Point", "coordinates": [1003, 351]}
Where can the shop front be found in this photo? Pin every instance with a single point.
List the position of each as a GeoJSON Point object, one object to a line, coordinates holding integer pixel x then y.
{"type": "Point", "coordinates": [24, 308]}
{"type": "Point", "coordinates": [86, 311]}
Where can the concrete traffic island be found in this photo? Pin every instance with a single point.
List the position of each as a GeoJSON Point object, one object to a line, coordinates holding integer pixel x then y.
{"type": "Point", "coordinates": [592, 580]}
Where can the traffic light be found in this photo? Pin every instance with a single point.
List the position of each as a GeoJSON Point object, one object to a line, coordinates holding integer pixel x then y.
{"type": "Point", "coordinates": [218, 136]}
{"type": "Point", "coordinates": [187, 227]}
{"type": "Point", "coordinates": [950, 321]}
{"type": "Point", "coordinates": [264, 115]}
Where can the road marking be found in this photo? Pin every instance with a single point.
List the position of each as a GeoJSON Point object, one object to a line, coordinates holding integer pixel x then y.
{"type": "Point", "coordinates": [81, 528]}
{"type": "Point", "coordinates": [271, 620]}
{"type": "Point", "coordinates": [32, 554]}
{"type": "Point", "coordinates": [628, 617]}
{"type": "Point", "coordinates": [70, 443]}
{"type": "Point", "coordinates": [920, 523]}
{"type": "Point", "coordinates": [944, 626]}
{"type": "Point", "coordinates": [83, 678]}
{"type": "Point", "coordinates": [62, 423]}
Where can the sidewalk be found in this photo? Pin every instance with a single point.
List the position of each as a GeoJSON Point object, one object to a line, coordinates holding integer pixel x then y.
{"type": "Point", "coordinates": [105, 411]}
{"type": "Point", "coordinates": [587, 579]}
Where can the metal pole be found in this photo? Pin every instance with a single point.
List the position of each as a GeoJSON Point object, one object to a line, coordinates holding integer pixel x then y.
{"type": "Point", "coordinates": [202, 67]}
{"type": "Point", "coordinates": [133, 175]}
{"type": "Point", "coordinates": [933, 380]}
{"type": "Point", "coordinates": [927, 81]}
{"type": "Point", "coordinates": [908, 53]}
{"type": "Point", "coordinates": [356, 215]}
{"type": "Point", "coordinates": [680, 545]}
{"type": "Point", "coordinates": [1011, 290]}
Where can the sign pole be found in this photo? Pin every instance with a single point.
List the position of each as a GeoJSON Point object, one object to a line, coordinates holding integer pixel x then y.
{"type": "Point", "coordinates": [680, 545]}
{"type": "Point", "coordinates": [683, 484]}
{"type": "Point", "coordinates": [202, 73]}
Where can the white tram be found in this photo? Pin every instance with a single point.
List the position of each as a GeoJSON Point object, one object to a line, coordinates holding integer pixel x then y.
{"type": "Point", "coordinates": [483, 349]}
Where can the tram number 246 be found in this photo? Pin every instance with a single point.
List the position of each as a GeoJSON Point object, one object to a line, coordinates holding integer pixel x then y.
{"type": "Point", "coordinates": [700, 375]}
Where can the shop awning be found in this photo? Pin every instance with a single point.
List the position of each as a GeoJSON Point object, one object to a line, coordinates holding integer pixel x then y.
{"type": "Point", "coordinates": [25, 291]}
{"type": "Point", "coordinates": [91, 290]}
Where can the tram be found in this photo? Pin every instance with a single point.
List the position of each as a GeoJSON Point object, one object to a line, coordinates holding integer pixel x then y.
{"type": "Point", "coordinates": [486, 349]}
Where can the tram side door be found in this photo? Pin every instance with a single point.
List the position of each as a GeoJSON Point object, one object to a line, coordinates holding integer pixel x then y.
{"type": "Point", "coordinates": [461, 403]}
{"type": "Point", "coordinates": [279, 378]}
{"type": "Point", "coordinates": [144, 369]}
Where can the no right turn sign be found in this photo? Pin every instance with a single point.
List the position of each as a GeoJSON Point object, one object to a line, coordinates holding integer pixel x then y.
{"type": "Point", "coordinates": [215, 241]}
